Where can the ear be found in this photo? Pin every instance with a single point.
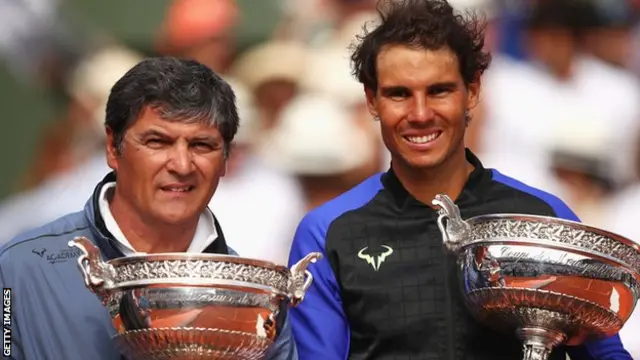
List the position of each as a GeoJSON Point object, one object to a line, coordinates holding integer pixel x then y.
{"type": "Point", "coordinates": [372, 102]}
{"type": "Point", "coordinates": [473, 94]}
{"type": "Point", "coordinates": [230, 151]}
{"type": "Point", "coordinates": [112, 151]}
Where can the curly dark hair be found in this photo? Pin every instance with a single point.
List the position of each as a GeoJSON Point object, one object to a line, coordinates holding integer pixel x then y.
{"type": "Point", "coordinates": [427, 24]}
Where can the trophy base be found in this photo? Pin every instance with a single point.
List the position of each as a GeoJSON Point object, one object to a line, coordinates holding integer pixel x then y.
{"type": "Point", "coordinates": [509, 309]}
{"type": "Point", "coordinates": [539, 342]}
{"type": "Point", "coordinates": [542, 319]}
{"type": "Point", "coordinates": [191, 344]}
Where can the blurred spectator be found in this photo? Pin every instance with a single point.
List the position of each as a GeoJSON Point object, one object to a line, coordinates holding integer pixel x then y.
{"type": "Point", "coordinates": [244, 142]}
{"type": "Point", "coordinates": [345, 10]}
{"type": "Point", "coordinates": [67, 173]}
{"type": "Point", "coordinates": [317, 140]}
{"type": "Point", "coordinates": [526, 100]}
{"type": "Point", "coordinates": [200, 30]}
{"type": "Point", "coordinates": [55, 197]}
{"type": "Point", "coordinates": [582, 163]}
{"type": "Point", "coordinates": [328, 71]}
{"type": "Point", "coordinates": [74, 138]}
{"type": "Point", "coordinates": [254, 190]}
{"type": "Point", "coordinates": [321, 22]}
{"type": "Point", "coordinates": [272, 72]}
{"type": "Point", "coordinates": [300, 19]}
{"type": "Point", "coordinates": [328, 74]}
{"type": "Point", "coordinates": [53, 150]}
{"type": "Point", "coordinates": [39, 46]}
{"type": "Point", "coordinates": [635, 52]}
{"type": "Point", "coordinates": [89, 86]}
{"type": "Point", "coordinates": [610, 34]}
{"type": "Point", "coordinates": [553, 31]}
{"type": "Point", "coordinates": [610, 95]}
{"type": "Point", "coordinates": [621, 216]}
{"type": "Point", "coordinates": [634, 62]}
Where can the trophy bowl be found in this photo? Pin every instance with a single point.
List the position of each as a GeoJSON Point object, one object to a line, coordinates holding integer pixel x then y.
{"type": "Point", "coordinates": [546, 280]}
{"type": "Point", "coordinates": [193, 306]}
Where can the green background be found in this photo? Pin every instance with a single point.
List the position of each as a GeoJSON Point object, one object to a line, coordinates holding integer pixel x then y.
{"type": "Point", "coordinates": [25, 110]}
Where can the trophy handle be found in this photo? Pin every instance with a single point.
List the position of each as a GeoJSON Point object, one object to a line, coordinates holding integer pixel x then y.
{"type": "Point", "coordinates": [455, 231]}
{"type": "Point", "coordinates": [98, 275]}
{"type": "Point", "coordinates": [301, 278]}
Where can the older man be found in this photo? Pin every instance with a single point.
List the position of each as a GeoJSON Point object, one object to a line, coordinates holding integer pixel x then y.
{"type": "Point", "coordinates": [169, 125]}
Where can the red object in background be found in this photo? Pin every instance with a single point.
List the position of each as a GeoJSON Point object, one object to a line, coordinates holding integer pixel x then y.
{"type": "Point", "coordinates": [190, 22]}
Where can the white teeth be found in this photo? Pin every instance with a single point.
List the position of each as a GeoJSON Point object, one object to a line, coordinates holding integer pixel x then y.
{"type": "Point", "coordinates": [179, 189]}
{"type": "Point", "coordinates": [423, 139]}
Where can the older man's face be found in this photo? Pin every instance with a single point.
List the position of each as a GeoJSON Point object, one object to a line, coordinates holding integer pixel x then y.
{"type": "Point", "coordinates": [167, 171]}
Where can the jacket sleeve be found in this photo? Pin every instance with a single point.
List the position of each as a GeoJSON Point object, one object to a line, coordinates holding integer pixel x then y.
{"type": "Point", "coordinates": [606, 349]}
{"type": "Point", "coordinates": [610, 348]}
{"type": "Point", "coordinates": [285, 347]}
{"type": "Point", "coordinates": [320, 327]}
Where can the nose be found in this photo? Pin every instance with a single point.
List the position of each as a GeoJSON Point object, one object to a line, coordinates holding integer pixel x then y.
{"type": "Point", "coordinates": [180, 160]}
{"type": "Point", "coordinates": [421, 111]}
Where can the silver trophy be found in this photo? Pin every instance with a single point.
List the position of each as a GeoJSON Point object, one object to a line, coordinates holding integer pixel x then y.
{"type": "Point", "coordinates": [548, 281]}
{"type": "Point", "coordinates": [193, 306]}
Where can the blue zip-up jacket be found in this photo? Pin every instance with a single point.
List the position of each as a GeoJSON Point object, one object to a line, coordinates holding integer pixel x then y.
{"type": "Point", "coordinates": [388, 289]}
{"type": "Point", "coordinates": [53, 314]}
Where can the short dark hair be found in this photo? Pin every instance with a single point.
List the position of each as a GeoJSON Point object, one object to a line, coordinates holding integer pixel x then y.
{"type": "Point", "coordinates": [428, 24]}
{"type": "Point", "coordinates": [180, 89]}
{"type": "Point", "coordinates": [575, 16]}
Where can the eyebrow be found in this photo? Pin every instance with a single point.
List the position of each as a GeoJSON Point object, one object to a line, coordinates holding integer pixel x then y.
{"type": "Point", "coordinates": [393, 88]}
{"type": "Point", "coordinates": [152, 132]}
{"type": "Point", "coordinates": [444, 84]}
{"type": "Point", "coordinates": [205, 138]}
{"type": "Point", "coordinates": [155, 133]}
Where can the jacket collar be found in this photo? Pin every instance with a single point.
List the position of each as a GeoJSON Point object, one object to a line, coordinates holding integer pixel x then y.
{"type": "Point", "coordinates": [471, 191]}
{"type": "Point", "coordinates": [105, 240]}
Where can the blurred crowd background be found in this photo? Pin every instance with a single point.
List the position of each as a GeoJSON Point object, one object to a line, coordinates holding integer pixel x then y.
{"type": "Point", "coordinates": [560, 106]}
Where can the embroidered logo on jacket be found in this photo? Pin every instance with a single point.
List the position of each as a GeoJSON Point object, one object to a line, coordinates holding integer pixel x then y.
{"type": "Point", "coordinates": [375, 260]}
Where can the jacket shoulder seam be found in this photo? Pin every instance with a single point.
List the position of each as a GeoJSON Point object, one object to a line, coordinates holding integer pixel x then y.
{"type": "Point", "coordinates": [50, 234]}
{"type": "Point", "coordinates": [326, 214]}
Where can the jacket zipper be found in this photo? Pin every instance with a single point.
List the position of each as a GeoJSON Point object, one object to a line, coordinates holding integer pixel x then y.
{"type": "Point", "coordinates": [448, 305]}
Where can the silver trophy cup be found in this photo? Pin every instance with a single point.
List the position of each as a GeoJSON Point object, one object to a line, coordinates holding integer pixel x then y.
{"type": "Point", "coordinates": [193, 306]}
{"type": "Point", "coordinates": [548, 281]}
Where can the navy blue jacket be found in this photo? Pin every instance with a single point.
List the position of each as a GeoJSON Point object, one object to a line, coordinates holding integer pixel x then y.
{"type": "Point", "coordinates": [387, 289]}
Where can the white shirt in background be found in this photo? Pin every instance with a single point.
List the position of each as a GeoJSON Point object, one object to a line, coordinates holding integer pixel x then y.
{"type": "Point", "coordinates": [259, 209]}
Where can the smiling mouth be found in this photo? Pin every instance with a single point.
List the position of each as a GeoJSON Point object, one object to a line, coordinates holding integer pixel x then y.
{"type": "Point", "coordinates": [423, 139]}
{"type": "Point", "coordinates": [177, 189]}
